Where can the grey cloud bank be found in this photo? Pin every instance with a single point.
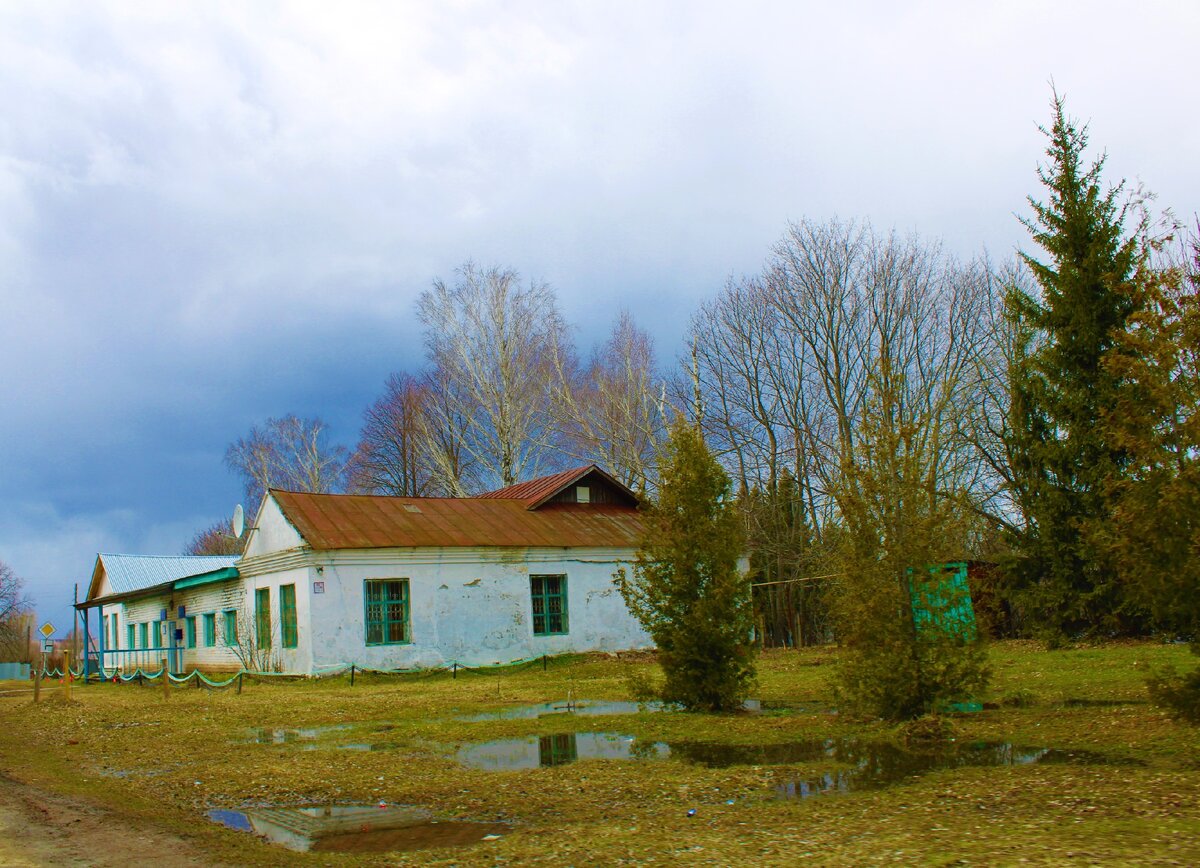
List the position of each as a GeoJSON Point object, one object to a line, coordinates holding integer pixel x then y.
{"type": "Point", "coordinates": [212, 213]}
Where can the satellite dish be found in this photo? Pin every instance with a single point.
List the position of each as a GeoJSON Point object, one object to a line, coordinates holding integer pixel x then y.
{"type": "Point", "coordinates": [239, 521]}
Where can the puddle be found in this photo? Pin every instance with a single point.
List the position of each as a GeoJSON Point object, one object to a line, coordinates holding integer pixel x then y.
{"type": "Point", "coordinates": [263, 735]}
{"type": "Point", "coordinates": [369, 747]}
{"type": "Point", "coordinates": [583, 707]}
{"type": "Point", "coordinates": [872, 765]}
{"type": "Point", "coordinates": [544, 751]}
{"type": "Point", "coordinates": [599, 708]}
{"type": "Point", "coordinates": [356, 828]}
{"type": "Point", "coordinates": [875, 766]}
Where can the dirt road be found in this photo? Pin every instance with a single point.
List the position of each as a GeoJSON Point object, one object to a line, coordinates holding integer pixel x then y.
{"type": "Point", "coordinates": [42, 828]}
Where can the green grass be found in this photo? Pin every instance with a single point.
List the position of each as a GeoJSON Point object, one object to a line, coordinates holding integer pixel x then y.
{"type": "Point", "coordinates": [177, 758]}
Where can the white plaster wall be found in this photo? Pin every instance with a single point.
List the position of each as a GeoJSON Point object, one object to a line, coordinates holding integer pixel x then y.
{"type": "Point", "coordinates": [298, 659]}
{"type": "Point", "coordinates": [472, 606]}
{"type": "Point", "coordinates": [272, 532]}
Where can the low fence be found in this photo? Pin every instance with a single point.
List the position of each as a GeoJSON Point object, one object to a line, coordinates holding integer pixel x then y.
{"type": "Point", "coordinates": [144, 675]}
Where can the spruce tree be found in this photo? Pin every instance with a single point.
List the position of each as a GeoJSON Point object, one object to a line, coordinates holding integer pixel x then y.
{"type": "Point", "coordinates": [1063, 457]}
{"type": "Point", "coordinates": [686, 588]}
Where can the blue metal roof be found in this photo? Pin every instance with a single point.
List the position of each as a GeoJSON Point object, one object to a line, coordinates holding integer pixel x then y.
{"type": "Point", "coordinates": [136, 572]}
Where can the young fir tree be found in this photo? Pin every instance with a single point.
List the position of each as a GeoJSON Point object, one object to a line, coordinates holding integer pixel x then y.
{"type": "Point", "coordinates": [1064, 459]}
{"type": "Point", "coordinates": [686, 588]}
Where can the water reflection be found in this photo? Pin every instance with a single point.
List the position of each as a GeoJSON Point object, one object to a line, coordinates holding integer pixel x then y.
{"type": "Point", "coordinates": [266, 735]}
{"type": "Point", "coordinates": [865, 765]}
{"type": "Point", "coordinates": [355, 828]}
{"type": "Point", "coordinates": [545, 751]}
{"type": "Point", "coordinates": [875, 766]}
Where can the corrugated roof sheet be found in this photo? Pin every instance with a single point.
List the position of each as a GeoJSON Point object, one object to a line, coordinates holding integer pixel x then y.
{"type": "Point", "coordinates": [134, 572]}
{"type": "Point", "coordinates": [535, 492]}
{"type": "Point", "coordinates": [351, 521]}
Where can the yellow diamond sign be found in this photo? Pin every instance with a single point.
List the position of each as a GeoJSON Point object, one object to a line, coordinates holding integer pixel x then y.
{"type": "Point", "coordinates": [47, 630]}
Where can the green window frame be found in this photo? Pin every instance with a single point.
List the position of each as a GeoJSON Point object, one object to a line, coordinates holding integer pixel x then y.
{"type": "Point", "coordinates": [385, 603]}
{"type": "Point", "coordinates": [287, 616]}
{"type": "Point", "coordinates": [190, 630]}
{"type": "Point", "coordinates": [114, 636]}
{"type": "Point", "coordinates": [262, 618]}
{"type": "Point", "coordinates": [549, 594]}
{"type": "Point", "coordinates": [210, 629]}
{"type": "Point", "coordinates": [131, 635]}
{"type": "Point", "coordinates": [229, 628]}
{"type": "Point", "coordinates": [144, 634]}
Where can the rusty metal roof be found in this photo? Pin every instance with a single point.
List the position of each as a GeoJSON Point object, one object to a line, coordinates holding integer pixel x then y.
{"type": "Point", "coordinates": [354, 521]}
{"type": "Point", "coordinates": [536, 492]}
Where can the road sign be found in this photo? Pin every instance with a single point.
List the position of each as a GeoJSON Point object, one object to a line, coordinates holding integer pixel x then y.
{"type": "Point", "coordinates": [47, 630]}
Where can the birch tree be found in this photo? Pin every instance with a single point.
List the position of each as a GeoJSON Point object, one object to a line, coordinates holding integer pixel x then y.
{"type": "Point", "coordinates": [289, 453]}
{"type": "Point", "coordinates": [495, 347]}
{"type": "Point", "coordinates": [613, 407]}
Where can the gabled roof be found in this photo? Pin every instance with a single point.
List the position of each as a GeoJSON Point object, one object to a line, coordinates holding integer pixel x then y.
{"type": "Point", "coordinates": [536, 492]}
{"type": "Point", "coordinates": [130, 573]}
{"type": "Point", "coordinates": [357, 521]}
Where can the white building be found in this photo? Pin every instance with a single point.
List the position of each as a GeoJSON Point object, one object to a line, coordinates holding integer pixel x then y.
{"type": "Point", "coordinates": [394, 582]}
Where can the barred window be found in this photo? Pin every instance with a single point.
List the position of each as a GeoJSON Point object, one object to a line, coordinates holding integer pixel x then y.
{"type": "Point", "coordinates": [386, 602]}
{"type": "Point", "coordinates": [549, 595]}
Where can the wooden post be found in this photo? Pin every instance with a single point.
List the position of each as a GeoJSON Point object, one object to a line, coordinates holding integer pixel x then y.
{"type": "Point", "coordinates": [67, 674]}
{"type": "Point", "coordinates": [239, 688]}
{"type": "Point", "coordinates": [37, 684]}
{"type": "Point", "coordinates": [166, 677]}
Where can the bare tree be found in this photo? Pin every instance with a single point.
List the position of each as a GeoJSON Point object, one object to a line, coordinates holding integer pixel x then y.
{"type": "Point", "coordinates": [289, 453]}
{"type": "Point", "coordinates": [13, 607]}
{"type": "Point", "coordinates": [613, 407]}
{"type": "Point", "coordinates": [216, 539]}
{"type": "Point", "coordinates": [392, 455]}
{"type": "Point", "coordinates": [495, 348]}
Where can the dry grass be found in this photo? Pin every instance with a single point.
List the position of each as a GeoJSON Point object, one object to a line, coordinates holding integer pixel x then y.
{"type": "Point", "coordinates": [167, 762]}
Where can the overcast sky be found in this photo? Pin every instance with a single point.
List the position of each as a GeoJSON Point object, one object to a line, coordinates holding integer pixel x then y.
{"type": "Point", "coordinates": [215, 213]}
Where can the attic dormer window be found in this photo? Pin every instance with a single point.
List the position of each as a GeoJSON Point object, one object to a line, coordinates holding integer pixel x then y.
{"type": "Point", "coordinates": [583, 494]}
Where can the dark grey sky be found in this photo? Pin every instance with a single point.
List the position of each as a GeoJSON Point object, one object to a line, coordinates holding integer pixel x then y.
{"type": "Point", "coordinates": [213, 213]}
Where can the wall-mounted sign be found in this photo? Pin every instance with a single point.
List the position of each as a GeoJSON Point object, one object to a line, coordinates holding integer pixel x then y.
{"type": "Point", "coordinates": [318, 587]}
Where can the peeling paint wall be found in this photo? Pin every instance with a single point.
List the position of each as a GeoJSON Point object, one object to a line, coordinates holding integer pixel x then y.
{"type": "Point", "coordinates": [472, 606]}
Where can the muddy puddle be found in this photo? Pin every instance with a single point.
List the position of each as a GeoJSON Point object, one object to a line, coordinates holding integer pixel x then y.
{"type": "Point", "coordinates": [545, 751]}
{"type": "Point", "coordinates": [582, 707]}
{"type": "Point", "coordinates": [867, 765]}
{"type": "Point", "coordinates": [264, 735]}
{"type": "Point", "coordinates": [600, 708]}
{"type": "Point", "coordinates": [357, 828]}
{"type": "Point", "coordinates": [875, 766]}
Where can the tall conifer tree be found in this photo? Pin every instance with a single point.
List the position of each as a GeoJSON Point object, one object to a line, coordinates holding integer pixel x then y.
{"type": "Point", "coordinates": [1064, 458]}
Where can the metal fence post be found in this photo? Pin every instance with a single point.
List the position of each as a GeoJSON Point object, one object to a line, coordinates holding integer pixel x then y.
{"type": "Point", "coordinates": [166, 677]}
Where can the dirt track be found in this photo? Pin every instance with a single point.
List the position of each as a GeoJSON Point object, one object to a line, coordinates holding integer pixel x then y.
{"type": "Point", "coordinates": [41, 828]}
